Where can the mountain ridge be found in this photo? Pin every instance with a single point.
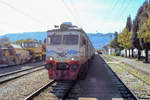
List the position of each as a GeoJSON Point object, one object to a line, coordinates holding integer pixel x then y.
{"type": "Point", "coordinates": [97, 39]}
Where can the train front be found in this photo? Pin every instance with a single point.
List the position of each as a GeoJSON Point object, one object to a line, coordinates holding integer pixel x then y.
{"type": "Point", "coordinates": [62, 57]}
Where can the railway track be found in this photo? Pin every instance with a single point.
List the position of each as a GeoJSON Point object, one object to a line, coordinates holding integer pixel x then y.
{"type": "Point", "coordinates": [131, 72]}
{"type": "Point", "coordinates": [34, 94]}
{"type": "Point", "coordinates": [7, 66]}
{"type": "Point", "coordinates": [126, 93]}
{"type": "Point", "coordinates": [16, 74]}
{"type": "Point", "coordinates": [61, 90]}
{"type": "Point", "coordinates": [134, 74]}
{"type": "Point", "coordinates": [140, 95]}
{"type": "Point", "coordinates": [70, 90]}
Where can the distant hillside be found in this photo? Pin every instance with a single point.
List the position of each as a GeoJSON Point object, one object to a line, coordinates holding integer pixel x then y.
{"type": "Point", "coordinates": [33, 35]}
{"type": "Point", "coordinates": [98, 40]}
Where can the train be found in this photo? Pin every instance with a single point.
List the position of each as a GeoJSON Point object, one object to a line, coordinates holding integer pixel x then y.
{"type": "Point", "coordinates": [68, 51]}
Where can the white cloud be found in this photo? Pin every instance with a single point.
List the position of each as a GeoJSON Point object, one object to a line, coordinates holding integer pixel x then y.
{"type": "Point", "coordinates": [41, 15]}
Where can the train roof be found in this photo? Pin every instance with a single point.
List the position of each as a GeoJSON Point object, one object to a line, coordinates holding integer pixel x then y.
{"type": "Point", "coordinates": [58, 30]}
{"type": "Point", "coordinates": [66, 26]}
{"type": "Point", "coordinates": [68, 29]}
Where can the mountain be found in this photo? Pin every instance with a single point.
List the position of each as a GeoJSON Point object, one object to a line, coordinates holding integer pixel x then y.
{"type": "Point", "coordinates": [98, 39]}
{"type": "Point", "coordinates": [18, 36]}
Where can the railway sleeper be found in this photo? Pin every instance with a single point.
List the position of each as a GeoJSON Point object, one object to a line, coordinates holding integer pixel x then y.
{"type": "Point", "coordinates": [72, 96]}
{"type": "Point", "coordinates": [55, 89]}
{"type": "Point", "coordinates": [62, 92]}
{"type": "Point", "coordinates": [122, 89]}
{"type": "Point", "coordinates": [71, 99]}
{"type": "Point", "coordinates": [60, 87]}
{"type": "Point", "coordinates": [59, 91]}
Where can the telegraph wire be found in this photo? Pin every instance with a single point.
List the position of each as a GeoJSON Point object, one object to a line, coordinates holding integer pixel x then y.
{"type": "Point", "coordinates": [20, 11]}
{"type": "Point", "coordinates": [122, 9]}
{"type": "Point", "coordinates": [114, 5]}
{"type": "Point", "coordinates": [123, 6]}
{"type": "Point", "coordinates": [76, 11]}
{"type": "Point", "coordinates": [70, 11]}
{"type": "Point", "coordinates": [126, 6]}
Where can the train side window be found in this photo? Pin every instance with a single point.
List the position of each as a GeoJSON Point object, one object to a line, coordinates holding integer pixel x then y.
{"type": "Point", "coordinates": [82, 41]}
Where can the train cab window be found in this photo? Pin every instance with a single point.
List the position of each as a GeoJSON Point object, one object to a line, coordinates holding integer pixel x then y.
{"type": "Point", "coordinates": [70, 39]}
{"type": "Point", "coordinates": [55, 39]}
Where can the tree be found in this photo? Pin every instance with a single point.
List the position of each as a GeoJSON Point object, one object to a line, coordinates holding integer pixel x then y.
{"type": "Point", "coordinates": [135, 28]}
{"type": "Point", "coordinates": [129, 29]}
{"type": "Point", "coordinates": [125, 36]}
{"type": "Point", "coordinates": [115, 44]}
{"type": "Point", "coordinates": [144, 37]}
{"type": "Point", "coordinates": [143, 31]}
{"type": "Point", "coordinates": [124, 40]}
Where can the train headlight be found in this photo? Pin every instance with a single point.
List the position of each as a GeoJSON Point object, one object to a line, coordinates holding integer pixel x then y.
{"type": "Point", "coordinates": [74, 58]}
{"type": "Point", "coordinates": [74, 66]}
{"type": "Point", "coordinates": [51, 58]}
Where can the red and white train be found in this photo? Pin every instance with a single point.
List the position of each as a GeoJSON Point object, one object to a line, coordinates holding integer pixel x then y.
{"type": "Point", "coordinates": [68, 50]}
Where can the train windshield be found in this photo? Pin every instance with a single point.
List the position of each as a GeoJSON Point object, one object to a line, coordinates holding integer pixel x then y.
{"type": "Point", "coordinates": [63, 39]}
{"type": "Point", "coordinates": [55, 40]}
{"type": "Point", "coordinates": [70, 39]}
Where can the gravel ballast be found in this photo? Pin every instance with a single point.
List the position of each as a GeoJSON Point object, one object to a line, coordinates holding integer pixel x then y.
{"type": "Point", "coordinates": [21, 87]}
{"type": "Point", "coordinates": [46, 95]}
{"type": "Point", "coordinates": [141, 90]}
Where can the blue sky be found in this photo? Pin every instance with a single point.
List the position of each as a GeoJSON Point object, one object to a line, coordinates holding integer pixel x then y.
{"type": "Point", "coordinates": [40, 15]}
